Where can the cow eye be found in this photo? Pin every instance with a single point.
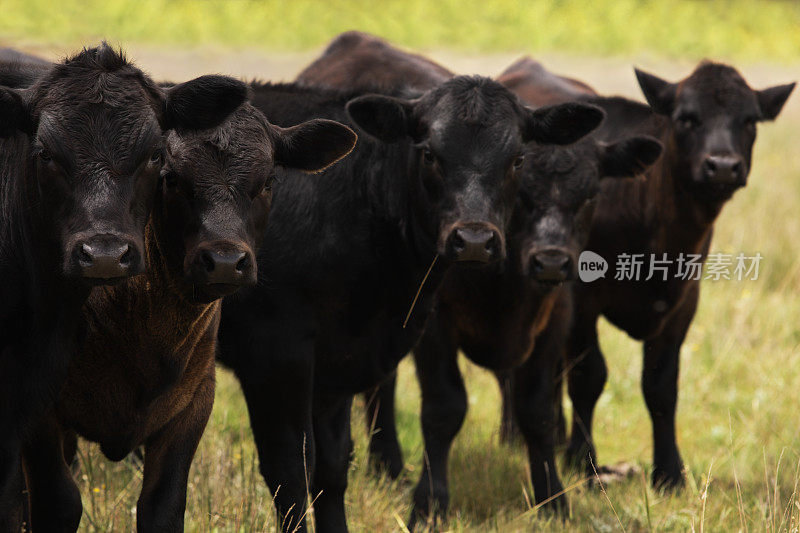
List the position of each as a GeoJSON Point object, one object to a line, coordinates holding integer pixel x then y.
{"type": "Point", "coordinates": [428, 156]}
{"type": "Point", "coordinates": [687, 122]}
{"type": "Point", "coordinates": [170, 179]}
{"type": "Point", "coordinates": [518, 162]}
{"type": "Point", "coordinates": [157, 156]}
{"type": "Point", "coordinates": [44, 156]}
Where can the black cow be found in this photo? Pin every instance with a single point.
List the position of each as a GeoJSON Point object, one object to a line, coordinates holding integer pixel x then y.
{"type": "Point", "coordinates": [433, 182]}
{"type": "Point", "coordinates": [79, 160]}
{"type": "Point", "coordinates": [154, 336]}
{"type": "Point", "coordinates": [19, 70]}
{"type": "Point", "coordinates": [707, 122]}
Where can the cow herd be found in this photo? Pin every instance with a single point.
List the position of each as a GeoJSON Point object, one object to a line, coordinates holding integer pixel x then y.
{"type": "Point", "coordinates": [310, 235]}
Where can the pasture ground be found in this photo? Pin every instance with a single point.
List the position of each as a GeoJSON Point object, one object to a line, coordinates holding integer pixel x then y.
{"type": "Point", "coordinates": [740, 382]}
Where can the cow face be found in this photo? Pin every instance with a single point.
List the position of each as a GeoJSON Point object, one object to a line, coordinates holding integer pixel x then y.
{"type": "Point", "coordinates": [713, 115]}
{"type": "Point", "coordinates": [216, 192]}
{"type": "Point", "coordinates": [95, 124]}
{"type": "Point", "coordinates": [469, 136]}
{"type": "Point", "coordinates": [551, 223]}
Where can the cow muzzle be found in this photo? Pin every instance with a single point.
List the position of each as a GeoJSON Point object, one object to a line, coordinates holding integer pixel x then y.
{"type": "Point", "coordinates": [474, 243]}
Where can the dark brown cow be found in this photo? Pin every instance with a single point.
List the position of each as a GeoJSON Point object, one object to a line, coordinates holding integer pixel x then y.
{"type": "Point", "coordinates": [144, 374]}
{"type": "Point", "coordinates": [707, 122]}
{"type": "Point", "coordinates": [538, 86]}
{"type": "Point", "coordinates": [356, 60]}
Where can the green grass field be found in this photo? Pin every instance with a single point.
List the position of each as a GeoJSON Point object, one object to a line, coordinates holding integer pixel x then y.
{"type": "Point", "coordinates": [737, 416]}
{"type": "Point", "coordinates": [732, 29]}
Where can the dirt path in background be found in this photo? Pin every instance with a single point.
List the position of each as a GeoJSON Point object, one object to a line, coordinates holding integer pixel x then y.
{"type": "Point", "coordinates": [608, 75]}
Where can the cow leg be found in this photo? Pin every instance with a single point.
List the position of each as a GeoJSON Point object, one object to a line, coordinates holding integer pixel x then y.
{"type": "Point", "coordinates": [279, 399]}
{"type": "Point", "coordinates": [586, 378]}
{"type": "Point", "coordinates": [534, 395]}
{"type": "Point", "coordinates": [444, 406]}
{"type": "Point", "coordinates": [660, 387]}
{"type": "Point", "coordinates": [509, 429]}
{"type": "Point", "coordinates": [54, 496]}
{"type": "Point", "coordinates": [334, 448]}
{"type": "Point", "coordinates": [168, 457]}
{"type": "Point", "coordinates": [384, 446]}
{"type": "Point", "coordinates": [12, 484]}
{"type": "Point", "coordinates": [558, 400]}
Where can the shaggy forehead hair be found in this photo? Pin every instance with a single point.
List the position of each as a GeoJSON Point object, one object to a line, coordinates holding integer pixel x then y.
{"type": "Point", "coordinates": [476, 100]}
{"type": "Point", "coordinates": [100, 75]}
{"type": "Point", "coordinates": [722, 81]}
{"type": "Point", "coordinates": [242, 145]}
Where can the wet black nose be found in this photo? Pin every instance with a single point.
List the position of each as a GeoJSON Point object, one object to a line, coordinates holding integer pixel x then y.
{"type": "Point", "coordinates": [223, 265]}
{"type": "Point", "coordinates": [106, 257]}
{"type": "Point", "coordinates": [475, 244]}
{"type": "Point", "coordinates": [727, 168]}
{"type": "Point", "coordinates": [552, 266]}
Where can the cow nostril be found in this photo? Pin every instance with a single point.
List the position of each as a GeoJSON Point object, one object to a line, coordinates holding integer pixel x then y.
{"type": "Point", "coordinates": [493, 244]}
{"type": "Point", "coordinates": [207, 261]}
{"type": "Point", "coordinates": [85, 255]}
{"type": "Point", "coordinates": [458, 243]}
{"type": "Point", "coordinates": [126, 257]}
{"type": "Point", "coordinates": [242, 264]}
{"type": "Point", "coordinates": [737, 168]}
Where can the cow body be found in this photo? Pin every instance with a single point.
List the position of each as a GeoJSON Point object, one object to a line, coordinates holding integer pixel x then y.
{"type": "Point", "coordinates": [533, 83]}
{"type": "Point", "coordinates": [356, 60]}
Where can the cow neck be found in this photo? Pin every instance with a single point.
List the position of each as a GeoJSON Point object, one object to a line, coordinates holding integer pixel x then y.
{"type": "Point", "coordinates": [164, 273]}
{"type": "Point", "coordinates": [684, 223]}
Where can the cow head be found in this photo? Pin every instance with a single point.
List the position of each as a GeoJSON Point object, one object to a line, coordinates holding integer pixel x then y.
{"type": "Point", "coordinates": [215, 193]}
{"type": "Point", "coordinates": [713, 115]}
{"type": "Point", "coordinates": [551, 223]}
{"type": "Point", "coordinates": [95, 124]}
{"type": "Point", "coordinates": [469, 136]}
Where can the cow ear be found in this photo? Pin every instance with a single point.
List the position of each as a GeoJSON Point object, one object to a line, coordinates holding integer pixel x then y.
{"type": "Point", "coordinates": [14, 114]}
{"type": "Point", "coordinates": [386, 118]}
{"type": "Point", "coordinates": [314, 145]}
{"type": "Point", "coordinates": [203, 102]}
{"type": "Point", "coordinates": [629, 157]}
{"type": "Point", "coordinates": [562, 123]}
{"type": "Point", "coordinates": [771, 100]}
{"type": "Point", "coordinates": [660, 94]}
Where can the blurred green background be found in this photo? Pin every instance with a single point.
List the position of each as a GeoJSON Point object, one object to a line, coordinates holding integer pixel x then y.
{"type": "Point", "coordinates": [741, 30]}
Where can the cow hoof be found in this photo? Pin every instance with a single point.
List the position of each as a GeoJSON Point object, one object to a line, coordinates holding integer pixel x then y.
{"type": "Point", "coordinates": [557, 506]}
{"type": "Point", "coordinates": [578, 457]}
{"type": "Point", "coordinates": [671, 480]}
{"type": "Point", "coordinates": [616, 473]}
